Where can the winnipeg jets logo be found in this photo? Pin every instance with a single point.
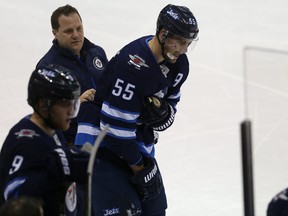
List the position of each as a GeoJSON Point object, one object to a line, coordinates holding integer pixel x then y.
{"type": "Point", "coordinates": [173, 14]}
{"type": "Point", "coordinates": [48, 73]}
{"type": "Point", "coordinates": [26, 133]}
{"type": "Point", "coordinates": [98, 63]}
{"type": "Point", "coordinates": [71, 197]}
{"type": "Point", "coordinates": [137, 61]}
{"type": "Point", "coordinates": [112, 211]}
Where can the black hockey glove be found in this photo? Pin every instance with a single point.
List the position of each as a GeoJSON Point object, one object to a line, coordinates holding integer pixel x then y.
{"type": "Point", "coordinates": [157, 113]}
{"type": "Point", "coordinates": [148, 181]}
{"type": "Point", "coordinates": [68, 165]}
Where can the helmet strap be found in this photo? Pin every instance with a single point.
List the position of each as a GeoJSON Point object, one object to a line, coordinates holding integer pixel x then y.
{"type": "Point", "coordinates": [48, 121]}
{"type": "Point", "coordinates": [162, 41]}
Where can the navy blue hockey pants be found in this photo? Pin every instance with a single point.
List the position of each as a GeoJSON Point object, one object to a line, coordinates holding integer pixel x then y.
{"type": "Point", "coordinates": [113, 193]}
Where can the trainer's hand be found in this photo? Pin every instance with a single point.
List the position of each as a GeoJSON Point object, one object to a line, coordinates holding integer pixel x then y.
{"type": "Point", "coordinates": [87, 147]}
{"type": "Point", "coordinates": [88, 95]}
{"type": "Point", "coordinates": [148, 180]}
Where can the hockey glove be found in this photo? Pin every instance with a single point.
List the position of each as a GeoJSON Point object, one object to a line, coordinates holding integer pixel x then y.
{"type": "Point", "coordinates": [157, 113]}
{"type": "Point", "coordinates": [148, 181]}
{"type": "Point", "coordinates": [68, 164]}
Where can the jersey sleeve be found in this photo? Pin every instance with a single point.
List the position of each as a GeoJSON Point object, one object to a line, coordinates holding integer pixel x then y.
{"type": "Point", "coordinates": [24, 167]}
{"type": "Point", "coordinates": [121, 136]}
{"type": "Point", "coordinates": [30, 165]}
{"type": "Point", "coordinates": [173, 94]}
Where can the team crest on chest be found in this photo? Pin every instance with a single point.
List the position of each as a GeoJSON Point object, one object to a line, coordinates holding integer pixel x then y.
{"type": "Point", "coordinates": [26, 133]}
{"type": "Point", "coordinates": [137, 61]}
{"type": "Point", "coordinates": [98, 63]}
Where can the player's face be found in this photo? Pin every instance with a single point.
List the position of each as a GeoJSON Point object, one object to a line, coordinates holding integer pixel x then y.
{"type": "Point", "coordinates": [175, 46]}
{"type": "Point", "coordinates": [62, 111]}
{"type": "Point", "coordinates": [70, 34]}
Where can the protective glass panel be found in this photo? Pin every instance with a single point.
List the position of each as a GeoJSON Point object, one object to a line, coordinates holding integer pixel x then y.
{"type": "Point", "coordinates": [266, 106]}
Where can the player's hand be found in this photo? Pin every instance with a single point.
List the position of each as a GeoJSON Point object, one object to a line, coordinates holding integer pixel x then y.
{"type": "Point", "coordinates": [148, 180]}
{"type": "Point", "coordinates": [88, 95]}
{"type": "Point", "coordinates": [156, 113]}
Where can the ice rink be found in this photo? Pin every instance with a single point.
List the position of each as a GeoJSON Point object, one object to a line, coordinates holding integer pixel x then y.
{"type": "Point", "coordinates": [200, 155]}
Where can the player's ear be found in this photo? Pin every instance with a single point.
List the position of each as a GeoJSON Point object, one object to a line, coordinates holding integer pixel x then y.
{"type": "Point", "coordinates": [163, 35]}
{"type": "Point", "coordinates": [43, 106]}
{"type": "Point", "coordinates": [54, 32]}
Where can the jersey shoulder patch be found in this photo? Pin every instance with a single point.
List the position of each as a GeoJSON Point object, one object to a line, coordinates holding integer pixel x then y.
{"type": "Point", "coordinates": [26, 133]}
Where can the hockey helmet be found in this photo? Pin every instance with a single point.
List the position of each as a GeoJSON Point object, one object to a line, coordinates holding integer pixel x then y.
{"type": "Point", "coordinates": [178, 20]}
{"type": "Point", "coordinates": [52, 82]}
{"type": "Point", "coordinates": [278, 206]}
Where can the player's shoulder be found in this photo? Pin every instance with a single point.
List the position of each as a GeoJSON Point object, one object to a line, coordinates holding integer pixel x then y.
{"type": "Point", "coordinates": [135, 46]}
{"type": "Point", "coordinates": [139, 46]}
{"type": "Point", "coordinates": [183, 61]}
{"type": "Point", "coordinates": [136, 55]}
{"type": "Point", "coordinates": [23, 132]}
{"type": "Point", "coordinates": [181, 65]}
{"type": "Point", "coordinates": [25, 129]}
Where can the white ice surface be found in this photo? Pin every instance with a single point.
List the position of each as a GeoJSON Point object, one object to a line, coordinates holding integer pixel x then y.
{"type": "Point", "coordinates": [200, 156]}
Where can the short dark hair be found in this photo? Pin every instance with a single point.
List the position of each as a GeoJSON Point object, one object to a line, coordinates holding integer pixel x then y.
{"type": "Point", "coordinates": [64, 10]}
{"type": "Point", "coordinates": [22, 206]}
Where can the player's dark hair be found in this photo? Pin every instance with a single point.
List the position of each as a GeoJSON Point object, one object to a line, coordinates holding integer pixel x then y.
{"type": "Point", "coordinates": [64, 10]}
{"type": "Point", "coordinates": [22, 206]}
